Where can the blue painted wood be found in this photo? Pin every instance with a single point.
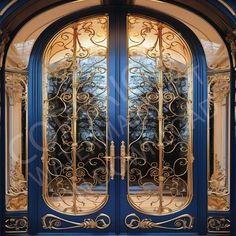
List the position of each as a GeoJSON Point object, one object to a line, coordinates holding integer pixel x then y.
{"type": "Point", "coordinates": [2, 162]}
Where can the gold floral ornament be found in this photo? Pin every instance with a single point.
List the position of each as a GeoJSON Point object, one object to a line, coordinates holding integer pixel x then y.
{"type": "Point", "coordinates": [16, 224]}
{"type": "Point", "coordinates": [217, 191]}
{"type": "Point", "coordinates": [219, 224]}
{"type": "Point", "coordinates": [17, 190]}
{"type": "Point", "coordinates": [182, 222]}
{"type": "Point", "coordinates": [53, 222]}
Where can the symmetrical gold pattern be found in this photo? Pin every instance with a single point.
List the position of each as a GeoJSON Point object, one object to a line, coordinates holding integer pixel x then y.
{"type": "Point", "coordinates": [218, 225]}
{"type": "Point", "coordinates": [53, 222]}
{"type": "Point", "coordinates": [183, 222]}
{"type": "Point", "coordinates": [75, 116]}
{"type": "Point", "coordinates": [160, 155]}
{"type": "Point", "coordinates": [16, 225]}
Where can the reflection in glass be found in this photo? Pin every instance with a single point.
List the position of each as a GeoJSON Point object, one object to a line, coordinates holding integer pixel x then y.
{"type": "Point", "coordinates": [16, 141]}
{"type": "Point", "coordinates": [159, 118]}
{"type": "Point", "coordinates": [218, 168]}
{"type": "Point", "coordinates": [75, 118]}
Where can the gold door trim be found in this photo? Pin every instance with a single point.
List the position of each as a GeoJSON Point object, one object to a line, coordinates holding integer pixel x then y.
{"type": "Point", "coordinates": [52, 222]}
{"type": "Point", "coordinates": [182, 222]}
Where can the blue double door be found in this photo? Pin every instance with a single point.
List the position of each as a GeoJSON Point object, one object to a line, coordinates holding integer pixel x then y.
{"type": "Point", "coordinates": [117, 98]}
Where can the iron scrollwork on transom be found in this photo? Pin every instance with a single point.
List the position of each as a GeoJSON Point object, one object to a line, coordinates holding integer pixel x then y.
{"type": "Point", "coordinates": [52, 222]}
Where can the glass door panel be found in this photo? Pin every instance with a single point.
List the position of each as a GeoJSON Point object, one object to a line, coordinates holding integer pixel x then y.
{"type": "Point", "coordinates": [159, 118]}
{"type": "Point", "coordinates": [75, 117]}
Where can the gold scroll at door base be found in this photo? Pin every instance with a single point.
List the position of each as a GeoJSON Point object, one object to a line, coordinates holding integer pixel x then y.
{"type": "Point", "coordinates": [182, 222]}
{"type": "Point", "coordinates": [53, 222]}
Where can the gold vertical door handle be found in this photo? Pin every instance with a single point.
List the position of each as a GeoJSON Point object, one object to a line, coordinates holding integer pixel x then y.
{"type": "Point", "coordinates": [112, 160]}
{"type": "Point", "coordinates": [122, 160]}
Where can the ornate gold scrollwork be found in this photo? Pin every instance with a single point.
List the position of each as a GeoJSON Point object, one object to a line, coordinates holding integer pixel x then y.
{"type": "Point", "coordinates": [182, 222]}
{"type": "Point", "coordinates": [75, 130]}
{"type": "Point", "coordinates": [160, 116]}
{"type": "Point", "coordinates": [53, 222]}
{"type": "Point", "coordinates": [218, 225]}
{"type": "Point", "coordinates": [218, 86]}
{"type": "Point", "coordinates": [16, 225]}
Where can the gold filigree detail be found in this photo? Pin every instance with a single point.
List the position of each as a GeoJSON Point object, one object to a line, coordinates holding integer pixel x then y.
{"type": "Point", "coordinates": [159, 121]}
{"type": "Point", "coordinates": [218, 225]}
{"type": "Point", "coordinates": [17, 191]}
{"type": "Point", "coordinates": [75, 117]}
{"type": "Point", "coordinates": [219, 87]}
{"type": "Point", "coordinates": [183, 222]}
{"type": "Point", "coordinates": [217, 181]}
{"type": "Point", "coordinates": [16, 87]}
{"type": "Point", "coordinates": [16, 225]}
{"type": "Point", "coordinates": [217, 191]}
{"type": "Point", "coordinates": [18, 184]}
{"type": "Point", "coordinates": [53, 222]}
